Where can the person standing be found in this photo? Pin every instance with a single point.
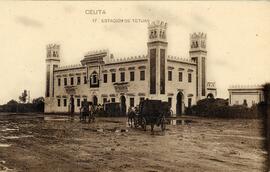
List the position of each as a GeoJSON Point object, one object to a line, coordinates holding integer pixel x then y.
{"type": "Point", "coordinates": [72, 107]}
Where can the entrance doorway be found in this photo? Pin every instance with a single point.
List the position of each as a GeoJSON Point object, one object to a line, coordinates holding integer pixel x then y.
{"type": "Point", "coordinates": [71, 105]}
{"type": "Point", "coordinates": [123, 105]}
{"type": "Point", "coordinates": [179, 103]}
{"type": "Point", "coordinates": [95, 100]}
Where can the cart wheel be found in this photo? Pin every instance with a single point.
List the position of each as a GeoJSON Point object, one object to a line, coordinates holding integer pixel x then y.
{"type": "Point", "coordinates": [163, 124]}
{"type": "Point", "coordinates": [143, 124]}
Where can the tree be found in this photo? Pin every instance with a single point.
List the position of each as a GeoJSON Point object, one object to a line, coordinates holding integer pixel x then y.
{"type": "Point", "coordinates": [38, 100]}
{"type": "Point", "coordinates": [12, 102]}
{"type": "Point", "coordinates": [22, 98]}
{"type": "Point", "coordinates": [39, 104]}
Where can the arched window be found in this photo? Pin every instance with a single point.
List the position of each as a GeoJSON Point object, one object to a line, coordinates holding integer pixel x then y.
{"type": "Point", "coordinates": [94, 82]}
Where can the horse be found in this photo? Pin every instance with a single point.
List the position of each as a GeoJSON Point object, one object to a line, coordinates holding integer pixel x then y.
{"type": "Point", "coordinates": [131, 116]}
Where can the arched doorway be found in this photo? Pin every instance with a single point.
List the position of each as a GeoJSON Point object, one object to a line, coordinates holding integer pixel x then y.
{"type": "Point", "coordinates": [123, 105]}
{"type": "Point", "coordinates": [95, 100]}
{"type": "Point", "coordinates": [71, 105]}
{"type": "Point", "coordinates": [179, 103]}
{"type": "Point", "coordinates": [210, 96]}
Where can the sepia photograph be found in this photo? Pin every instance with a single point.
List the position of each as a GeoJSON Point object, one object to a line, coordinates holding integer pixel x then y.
{"type": "Point", "coordinates": [140, 86]}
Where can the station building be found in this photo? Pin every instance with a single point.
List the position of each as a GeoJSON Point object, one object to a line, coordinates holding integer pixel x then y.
{"type": "Point", "coordinates": [245, 95]}
{"type": "Point", "coordinates": [101, 78]}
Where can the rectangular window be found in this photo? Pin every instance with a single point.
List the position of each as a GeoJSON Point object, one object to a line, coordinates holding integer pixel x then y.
{"type": "Point", "coordinates": [141, 99]}
{"type": "Point", "coordinates": [104, 100]}
{"type": "Point", "coordinates": [84, 80]}
{"type": "Point", "coordinates": [113, 100]}
{"type": "Point", "coordinates": [59, 81]}
{"type": "Point", "coordinates": [152, 71]}
{"type": "Point", "coordinates": [189, 102]}
{"type": "Point", "coordinates": [189, 77]}
{"type": "Point", "coordinates": [170, 101]}
{"type": "Point", "coordinates": [59, 102]}
{"type": "Point", "coordinates": [113, 77]}
{"type": "Point", "coordinates": [132, 76]}
{"type": "Point", "coordinates": [180, 76]}
{"type": "Point", "coordinates": [162, 71]}
{"type": "Point", "coordinates": [71, 81]}
{"type": "Point", "coordinates": [131, 101]}
{"type": "Point", "coordinates": [78, 102]}
{"type": "Point", "coordinates": [65, 81]}
{"type": "Point", "coordinates": [122, 76]}
{"type": "Point", "coordinates": [104, 78]}
{"type": "Point", "coordinates": [169, 75]}
{"type": "Point", "coordinates": [65, 102]}
{"type": "Point", "coordinates": [78, 80]}
{"type": "Point", "coordinates": [142, 75]}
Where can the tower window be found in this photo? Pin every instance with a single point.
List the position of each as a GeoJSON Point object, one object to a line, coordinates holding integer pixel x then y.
{"type": "Point", "coordinates": [105, 78]}
{"type": "Point", "coordinates": [113, 100]}
{"type": "Point", "coordinates": [189, 102]}
{"type": "Point", "coordinates": [142, 75]}
{"type": "Point", "coordinates": [78, 102]}
{"type": "Point", "coordinates": [71, 81]}
{"type": "Point", "coordinates": [189, 77]}
{"type": "Point", "coordinates": [122, 76]}
{"type": "Point", "coordinates": [59, 102]}
{"type": "Point", "coordinates": [65, 81]}
{"type": "Point", "coordinates": [132, 76]}
{"type": "Point", "coordinates": [170, 101]}
{"type": "Point", "coordinates": [131, 101]}
{"type": "Point", "coordinates": [65, 102]}
{"type": "Point", "coordinates": [104, 100]}
{"type": "Point", "coordinates": [85, 80]}
{"type": "Point", "coordinates": [78, 80]}
{"type": "Point", "coordinates": [180, 76]}
{"type": "Point", "coordinates": [59, 81]}
{"type": "Point", "coordinates": [170, 75]}
{"type": "Point", "coordinates": [113, 77]}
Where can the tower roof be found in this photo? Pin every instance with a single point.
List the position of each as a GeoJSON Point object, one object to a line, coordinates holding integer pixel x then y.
{"type": "Point", "coordinates": [157, 23]}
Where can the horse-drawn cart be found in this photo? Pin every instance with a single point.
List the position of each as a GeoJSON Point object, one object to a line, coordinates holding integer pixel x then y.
{"type": "Point", "coordinates": [151, 112]}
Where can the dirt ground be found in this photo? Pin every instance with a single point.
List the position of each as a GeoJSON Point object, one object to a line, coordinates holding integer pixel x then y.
{"type": "Point", "coordinates": [54, 143]}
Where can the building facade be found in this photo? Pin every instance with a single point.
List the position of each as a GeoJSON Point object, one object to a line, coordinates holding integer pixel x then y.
{"type": "Point", "coordinates": [245, 95]}
{"type": "Point", "coordinates": [101, 78]}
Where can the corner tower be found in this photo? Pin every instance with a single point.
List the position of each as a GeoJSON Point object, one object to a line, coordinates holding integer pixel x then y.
{"type": "Point", "coordinates": [198, 53]}
{"type": "Point", "coordinates": [157, 54]}
{"type": "Point", "coordinates": [52, 62]}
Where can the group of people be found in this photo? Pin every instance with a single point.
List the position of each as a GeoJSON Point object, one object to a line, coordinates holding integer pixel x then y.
{"type": "Point", "coordinates": [87, 110]}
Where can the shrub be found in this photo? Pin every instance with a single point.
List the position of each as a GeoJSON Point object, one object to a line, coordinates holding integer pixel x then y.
{"type": "Point", "coordinates": [219, 108]}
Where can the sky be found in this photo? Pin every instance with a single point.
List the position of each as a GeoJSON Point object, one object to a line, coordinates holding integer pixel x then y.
{"type": "Point", "coordinates": [238, 37]}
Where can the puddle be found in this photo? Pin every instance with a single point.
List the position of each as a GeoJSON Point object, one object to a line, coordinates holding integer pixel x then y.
{"type": "Point", "coordinates": [116, 130]}
{"type": "Point", "coordinates": [2, 145]}
{"type": "Point", "coordinates": [180, 122]}
{"type": "Point", "coordinates": [11, 137]}
{"type": "Point", "coordinates": [49, 118]}
{"type": "Point", "coordinates": [10, 129]}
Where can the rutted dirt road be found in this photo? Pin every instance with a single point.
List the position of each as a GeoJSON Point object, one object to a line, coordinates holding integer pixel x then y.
{"type": "Point", "coordinates": [32, 143]}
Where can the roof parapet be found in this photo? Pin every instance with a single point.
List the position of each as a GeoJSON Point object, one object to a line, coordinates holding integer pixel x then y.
{"type": "Point", "coordinates": [256, 86]}
{"type": "Point", "coordinates": [69, 67]}
{"type": "Point", "coordinates": [180, 59]}
{"type": "Point", "coordinates": [127, 59]}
